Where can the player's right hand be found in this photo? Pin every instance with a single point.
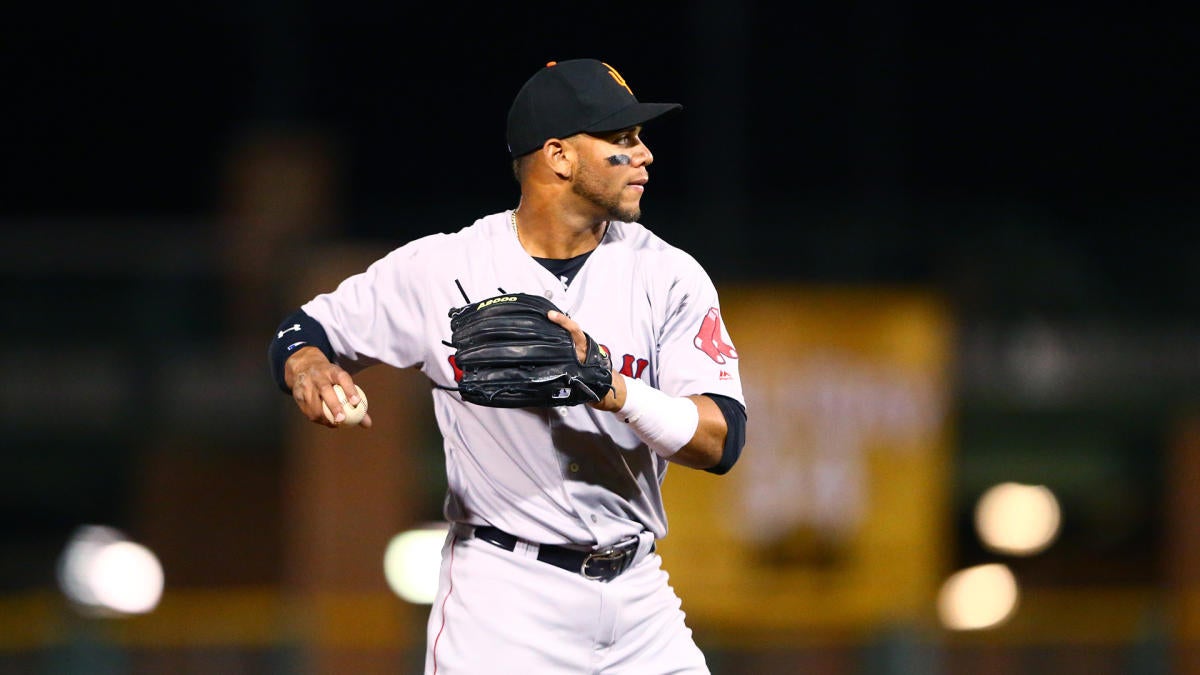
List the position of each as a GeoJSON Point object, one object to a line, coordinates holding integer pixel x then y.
{"type": "Point", "coordinates": [311, 377]}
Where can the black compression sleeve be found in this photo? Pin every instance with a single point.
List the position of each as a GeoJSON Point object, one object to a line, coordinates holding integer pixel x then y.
{"type": "Point", "coordinates": [735, 436]}
{"type": "Point", "coordinates": [296, 331]}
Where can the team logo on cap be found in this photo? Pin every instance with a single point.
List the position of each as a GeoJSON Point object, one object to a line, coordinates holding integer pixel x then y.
{"type": "Point", "coordinates": [617, 76]}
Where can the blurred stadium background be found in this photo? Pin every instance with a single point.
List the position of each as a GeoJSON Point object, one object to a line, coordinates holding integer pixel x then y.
{"type": "Point", "coordinates": [956, 244]}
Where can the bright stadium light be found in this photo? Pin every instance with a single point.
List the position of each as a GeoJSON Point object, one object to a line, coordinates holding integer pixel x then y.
{"type": "Point", "coordinates": [1017, 519]}
{"type": "Point", "coordinates": [984, 596]}
{"type": "Point", "coordinates": [128, 578]}
{"type": "Point", "coordinates": [412, 562]}
{"type": "Point", "coordinates": [75, 563]}
{"type": "Point", "coordinates": [104, 574]}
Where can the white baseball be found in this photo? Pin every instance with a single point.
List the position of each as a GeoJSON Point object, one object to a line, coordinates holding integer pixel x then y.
{"type": "Point", "coordinates": [354, 414]}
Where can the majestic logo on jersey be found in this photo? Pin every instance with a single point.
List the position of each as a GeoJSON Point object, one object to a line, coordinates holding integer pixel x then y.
{"type": "Point", "coordinates": [709, 339]}
{"type": "Point", "coordinates": [617, 76]}
{"type": "Point", "coordinates": [492, 301]}
{"type": "Point", "coordinates": [458, 372]}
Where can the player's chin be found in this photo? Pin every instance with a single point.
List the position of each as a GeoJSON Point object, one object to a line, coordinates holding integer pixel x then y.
{"type": "Point", "coordinates": [630, 208]}
{"type": "Point", "coordinates": [626, 215]}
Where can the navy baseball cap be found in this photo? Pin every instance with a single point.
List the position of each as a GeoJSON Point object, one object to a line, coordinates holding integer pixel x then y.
{"type": "Point", "coordinates": [569, 97]}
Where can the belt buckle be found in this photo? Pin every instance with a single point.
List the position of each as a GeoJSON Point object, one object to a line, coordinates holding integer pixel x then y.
{"type": "Point", "coordinates": [613, 554]}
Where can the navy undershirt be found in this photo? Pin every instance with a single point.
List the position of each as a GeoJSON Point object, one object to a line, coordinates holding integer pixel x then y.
{"type": "Point", "coordinates": [564, 270]}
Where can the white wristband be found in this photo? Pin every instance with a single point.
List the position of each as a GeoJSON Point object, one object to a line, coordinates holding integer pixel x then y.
{"type": "Point", "coordinates": [665, 423]}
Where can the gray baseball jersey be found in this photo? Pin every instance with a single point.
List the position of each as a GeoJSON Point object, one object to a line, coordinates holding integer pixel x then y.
{"type": "Point", "coordinates": [561, 475]}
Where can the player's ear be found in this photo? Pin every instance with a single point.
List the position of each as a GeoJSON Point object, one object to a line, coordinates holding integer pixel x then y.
{"type": "Point", "coordinates": [560, 157]}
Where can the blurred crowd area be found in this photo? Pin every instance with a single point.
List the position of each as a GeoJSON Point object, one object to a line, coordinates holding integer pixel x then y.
{"type": "Point", "coordinates": [1023, 173]}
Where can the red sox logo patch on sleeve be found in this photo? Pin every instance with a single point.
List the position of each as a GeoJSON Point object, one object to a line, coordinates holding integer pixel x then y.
{"type": "Point", "coordinates": [709, 339]}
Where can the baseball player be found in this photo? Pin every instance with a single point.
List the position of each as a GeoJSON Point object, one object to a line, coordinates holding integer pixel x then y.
{"type": "Point", "coordinates": [550, 564]}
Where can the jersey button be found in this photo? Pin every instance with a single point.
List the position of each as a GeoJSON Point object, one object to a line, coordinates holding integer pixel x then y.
{"type": "Point", "coordinates": [548, 294]}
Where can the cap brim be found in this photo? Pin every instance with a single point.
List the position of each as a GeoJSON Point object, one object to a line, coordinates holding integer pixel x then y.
{"type": "Point", "coordinates": [631, 116]}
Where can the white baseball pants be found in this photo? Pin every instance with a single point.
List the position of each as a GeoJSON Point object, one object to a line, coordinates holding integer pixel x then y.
{"type": "Point", "coordinates": [499, 612]}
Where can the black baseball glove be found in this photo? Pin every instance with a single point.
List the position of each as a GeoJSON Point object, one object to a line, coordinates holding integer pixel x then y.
{"type": "Point", "coordinates": [512, 356]}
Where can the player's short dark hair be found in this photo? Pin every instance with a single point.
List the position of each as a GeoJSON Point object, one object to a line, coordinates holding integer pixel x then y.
{"type": "Point", "coordinates": [519, 165]}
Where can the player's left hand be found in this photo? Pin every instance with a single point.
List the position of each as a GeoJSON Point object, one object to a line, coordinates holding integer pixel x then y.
{"type": "Point", "coordinates": [616, 397]}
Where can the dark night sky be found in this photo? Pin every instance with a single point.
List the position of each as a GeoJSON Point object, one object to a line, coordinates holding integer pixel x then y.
{"type": "Point", "coordinates": [926, 118]}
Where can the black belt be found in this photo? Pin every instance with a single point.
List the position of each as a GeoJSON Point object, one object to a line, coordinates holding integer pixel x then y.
{"type": "Point", "coordinates": [603, 565]}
